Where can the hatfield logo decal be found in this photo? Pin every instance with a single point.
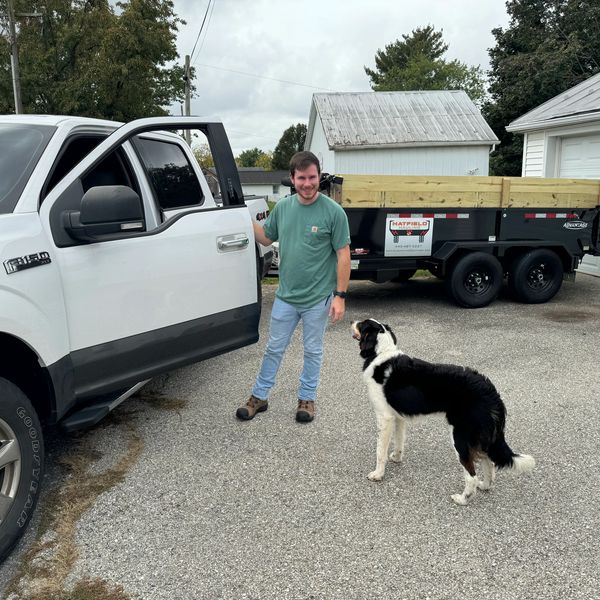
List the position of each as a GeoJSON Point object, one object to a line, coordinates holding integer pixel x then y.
{"type": "Point", "coordinates": [408, 235]}
{"type": "Point", "coordinates": [575, 225]}
{"type": "Point", "coordinates": [409, 227]}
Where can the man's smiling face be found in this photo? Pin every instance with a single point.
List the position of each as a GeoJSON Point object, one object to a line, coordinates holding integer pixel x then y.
{"type": "Point", "coordinates": [306, 183]}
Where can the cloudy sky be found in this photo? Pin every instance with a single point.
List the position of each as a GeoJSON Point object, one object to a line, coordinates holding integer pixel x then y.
{"type": "Point", "coordinates": [258, 62]}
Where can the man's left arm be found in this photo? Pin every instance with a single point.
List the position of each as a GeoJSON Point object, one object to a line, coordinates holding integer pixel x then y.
{"type": "Point", "coordinates": [338, 305]}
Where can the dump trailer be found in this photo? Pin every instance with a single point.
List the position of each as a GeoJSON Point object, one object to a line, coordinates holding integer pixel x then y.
{"type": "Point", "coordinates": [473, 232]}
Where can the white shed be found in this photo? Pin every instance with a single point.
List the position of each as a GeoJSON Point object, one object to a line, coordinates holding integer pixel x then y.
{"type": "Point", "coordinates": [562, 139]}
{"type": "Point", "coordinates": [258, 182]}
{"type": "Point", "coordinates": [399, 133]}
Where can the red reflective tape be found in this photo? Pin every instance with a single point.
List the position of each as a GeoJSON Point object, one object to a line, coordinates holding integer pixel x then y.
{"type": "Point", "coordinates": [430, 216]}
{"type": "Point", "coordinates": [550, 216]}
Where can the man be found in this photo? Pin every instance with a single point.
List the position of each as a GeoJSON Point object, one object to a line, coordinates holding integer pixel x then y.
{"type": "Point", "coordinates": [314, 270]}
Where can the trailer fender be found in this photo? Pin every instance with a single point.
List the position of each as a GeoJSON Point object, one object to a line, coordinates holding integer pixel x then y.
{"type": "Point", "coordinates": [450, 252]}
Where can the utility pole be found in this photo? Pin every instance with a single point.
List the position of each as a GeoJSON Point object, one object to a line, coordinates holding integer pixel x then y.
{"type": "Point", "coordinates": [14, 58]}
{"type": "Point", "coordinates": [188, 93]}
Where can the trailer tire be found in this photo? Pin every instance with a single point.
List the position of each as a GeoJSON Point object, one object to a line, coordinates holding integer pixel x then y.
{"type": "Point", "coordinates": [475, 280]}
{"type": "Point", "coordinates": [536, 276]}
{"type": "Point", "coordinates": [22, 452]}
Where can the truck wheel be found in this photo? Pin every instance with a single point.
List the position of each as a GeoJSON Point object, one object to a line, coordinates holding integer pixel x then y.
{"type": "Point", "coordinates": [404, 276]}
{"type": "Point", "coordinates": [535, 277]}
{"type": "Point", "coordinates": [475, 280]}
{"type": "Point", "coordinates": [21, 463]}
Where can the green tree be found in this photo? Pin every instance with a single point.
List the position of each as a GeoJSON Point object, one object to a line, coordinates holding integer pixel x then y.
{"type": "Point", "coordinates": [265, 161]}
{"type": "Point", "coordinates": [82, 58]}
{"type": "Point", "coordinates": [291, 141]}
{"type": "Point", "coordinates": [415, 63]}
{"type": "Point", "coordinates": [250, 158]}
{"type": "Point", "coordinates": [548, 47]}
{"type": "Point", "coordinates": [203, 156]}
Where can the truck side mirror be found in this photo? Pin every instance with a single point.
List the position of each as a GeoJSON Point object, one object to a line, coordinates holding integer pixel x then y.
{"type": "Point", "coordinates": [106, 210]}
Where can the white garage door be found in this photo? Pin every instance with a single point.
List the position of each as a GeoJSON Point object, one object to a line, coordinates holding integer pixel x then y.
{"type": "Point", "coordinates": [580, 157]}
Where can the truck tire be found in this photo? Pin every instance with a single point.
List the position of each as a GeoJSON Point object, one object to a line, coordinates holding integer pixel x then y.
{"type": "Point", "coordinates": [536, 276]}
{"type": "Point", "coordinates": [475, 280]}
{"type": "Point", "coordinates": [21, 463]}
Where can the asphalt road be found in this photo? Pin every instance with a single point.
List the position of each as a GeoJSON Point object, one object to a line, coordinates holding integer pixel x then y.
{"type": "Point", "coordinates": [211, 507]}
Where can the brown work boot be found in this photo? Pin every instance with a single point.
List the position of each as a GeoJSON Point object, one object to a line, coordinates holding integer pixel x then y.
{"type": "Point", "coordinates": [305, 411]}
{"type": "Point", "coordinates": [249, 410]}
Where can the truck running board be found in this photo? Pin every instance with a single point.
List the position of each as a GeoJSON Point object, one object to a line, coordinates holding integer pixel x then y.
{"type": "Point", "coordinates": [88, 416]}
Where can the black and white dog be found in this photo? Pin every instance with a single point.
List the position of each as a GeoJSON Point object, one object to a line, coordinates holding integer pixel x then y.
{"type": "Point", "coordinates": [401, 387]}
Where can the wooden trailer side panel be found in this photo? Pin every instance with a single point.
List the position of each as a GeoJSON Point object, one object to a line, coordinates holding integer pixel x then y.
{"type": "Point", "coordinates": [416, 192]}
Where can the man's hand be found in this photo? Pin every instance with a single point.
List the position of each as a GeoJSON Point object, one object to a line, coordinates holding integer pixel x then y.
{"type": "Point", "coordinates": [337, 310]}
{"type": "Point", "coordinates": [259, 234]}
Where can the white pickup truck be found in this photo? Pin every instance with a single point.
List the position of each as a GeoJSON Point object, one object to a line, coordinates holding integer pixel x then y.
{"type": "Point", "coordinates": [117, 264]}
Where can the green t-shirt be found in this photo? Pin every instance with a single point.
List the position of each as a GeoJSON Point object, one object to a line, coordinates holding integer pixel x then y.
{"type": "Point", "coordinates": [309, 236]}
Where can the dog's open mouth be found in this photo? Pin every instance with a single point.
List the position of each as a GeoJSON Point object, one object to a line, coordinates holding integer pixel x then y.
{"type": "Point", "coordinates": [355, 331]}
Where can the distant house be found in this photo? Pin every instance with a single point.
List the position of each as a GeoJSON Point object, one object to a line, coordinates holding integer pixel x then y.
{"type": "Point", "coordinates": [562, 139]}
{"type": "Point", "coordinates": [259, 182]}
{"type": "Point", "coordinates": [399, 133]}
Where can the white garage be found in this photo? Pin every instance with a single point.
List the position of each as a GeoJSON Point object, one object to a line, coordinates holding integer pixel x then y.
{"type": "Point", "coordinates": [562, 139]}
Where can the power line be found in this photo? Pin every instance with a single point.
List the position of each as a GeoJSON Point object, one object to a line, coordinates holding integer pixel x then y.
{"type": "Point", "coordinates": [314, 87]}
{"type": "Point", "coordinates": [201, 27]}
{"type": "Point", "coordinates": [206, 31]}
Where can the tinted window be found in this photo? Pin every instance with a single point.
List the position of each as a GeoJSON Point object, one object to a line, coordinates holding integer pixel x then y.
{"type": "Point", "coordinates": [113, 170]}
{"type": "Point", "coordinates": [74, 151]}
{"type": "Point", "coordinates": [173, 179]}
{"type": "Point", "coordinates": [20, 149]}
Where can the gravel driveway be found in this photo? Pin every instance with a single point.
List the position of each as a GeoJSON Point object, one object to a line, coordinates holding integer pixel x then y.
{"type": "Point", "coordinates": [199, 505]}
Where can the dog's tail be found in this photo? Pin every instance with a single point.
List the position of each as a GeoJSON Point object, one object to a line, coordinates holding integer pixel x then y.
{"type": "Point", "coordinates": [504, 458]}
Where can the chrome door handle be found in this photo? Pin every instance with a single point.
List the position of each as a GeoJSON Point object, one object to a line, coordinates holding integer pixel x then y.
{"type": "Point", "coordinates": [232, 243]}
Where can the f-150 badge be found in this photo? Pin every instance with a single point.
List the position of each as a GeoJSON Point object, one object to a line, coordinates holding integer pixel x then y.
{"type": "Point", "coordinates": [20, 263]}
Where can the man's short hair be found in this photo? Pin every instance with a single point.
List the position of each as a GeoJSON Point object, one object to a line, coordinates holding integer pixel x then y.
{"type": "Point", "coordinates": [302, 160]}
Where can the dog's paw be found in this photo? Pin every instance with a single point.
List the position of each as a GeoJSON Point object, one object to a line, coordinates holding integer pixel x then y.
{"type": "Point", "coordinates": [375, 476]}
{"type": "Point", "coordinates": [396, 456]}
{"type": "Point", "coordinates": [459, 499]}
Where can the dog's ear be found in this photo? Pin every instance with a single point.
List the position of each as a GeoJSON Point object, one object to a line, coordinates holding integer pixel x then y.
{"type": "Point", "coordinates": [368, 338]}
{"type": "Point", "coordinates": [368, 342]}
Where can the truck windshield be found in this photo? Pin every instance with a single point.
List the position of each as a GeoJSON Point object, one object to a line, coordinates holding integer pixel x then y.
{"type": "Point", "coordinates": [21, 146]}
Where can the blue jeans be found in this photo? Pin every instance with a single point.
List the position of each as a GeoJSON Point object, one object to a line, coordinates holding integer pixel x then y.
{"type": "Point", "coordinates": [284, 318]}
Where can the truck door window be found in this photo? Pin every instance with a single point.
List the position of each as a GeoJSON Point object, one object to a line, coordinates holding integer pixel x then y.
{"type": "Point", "coordinates": [172, 177]}
{"type": "Point", "coordinates": [113, 170]}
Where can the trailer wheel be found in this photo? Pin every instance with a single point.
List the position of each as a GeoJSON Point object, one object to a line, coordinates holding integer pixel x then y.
{"type": "Point", "coordinates": [21, 463]}
{"type": "Point", "coordinates": [536, 276]}
{"type": "Point", "coordinates": [475, 280]}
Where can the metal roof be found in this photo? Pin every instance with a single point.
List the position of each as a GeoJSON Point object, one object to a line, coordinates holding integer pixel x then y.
{"type": "Point", "coordinates": [356, 120]}
{"type": "Point", "coordinates": [578, 104]}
